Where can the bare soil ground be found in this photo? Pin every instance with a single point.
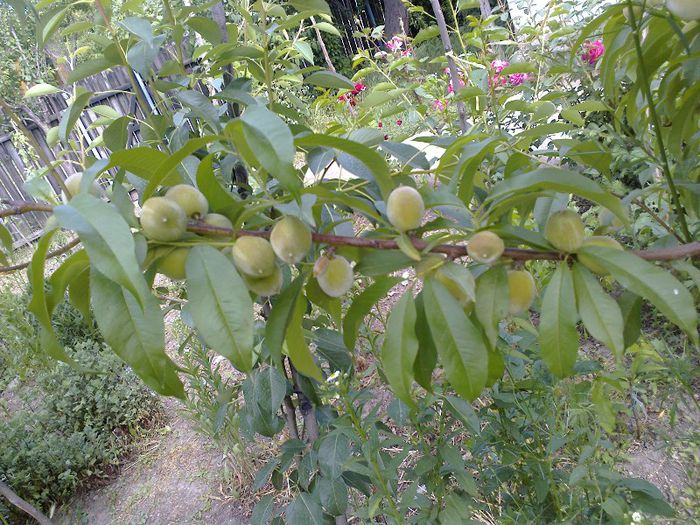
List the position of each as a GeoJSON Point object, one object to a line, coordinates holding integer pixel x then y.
{"type": "Point", "coordinates": [175, 479]}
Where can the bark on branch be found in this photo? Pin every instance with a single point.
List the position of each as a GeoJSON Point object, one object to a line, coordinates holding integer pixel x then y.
{"type": "Point", "coordinates": [18, 502]}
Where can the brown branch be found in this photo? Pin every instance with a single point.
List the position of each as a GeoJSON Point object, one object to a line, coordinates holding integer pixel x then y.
{"type": "Point", "coordinates": [454, 251]}
{"type": "Point", "coordinates": [21, 207]}
{"type": "Point", "coordinates": [55, 253]}
{"type": "Point", "coordinates": [18, 502]}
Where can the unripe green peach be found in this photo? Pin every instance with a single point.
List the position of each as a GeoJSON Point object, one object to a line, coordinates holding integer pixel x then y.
{"type": "Point", "coordinates": [163, 220]}
{"type": "Point", "coordinates": [591, 263]}
{"type": "Point", "coordinates": [254, 256]}
{"type": "Point", "coordinates": [290, 239]}
{"type": "Point", "coordinates": [521, 291]}
{"type": "Point", "coordinates": [565, 231]}
{"type": "Point", "coordinates": [485, 247]}
{"type": "Point", "coordinates": [218, 220]}
{"type": "Point", "coordinates": [335, 276]}
{"type": "Point", "coordinates": [191, 200]}
{"type": "Point", "coordinates": [72, 183]}
{"type": "Point", "coordinates": [405, 208]}
{"type": "Point", "coordinates": [685, 9]}
{"type": "Point", "coordinates": [172, 263]}
{"type": "Point", "coordinates": [266, 286]}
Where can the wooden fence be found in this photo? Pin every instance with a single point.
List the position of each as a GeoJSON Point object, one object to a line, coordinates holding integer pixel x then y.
{"type": "Point", "coordinates": [17, 165]}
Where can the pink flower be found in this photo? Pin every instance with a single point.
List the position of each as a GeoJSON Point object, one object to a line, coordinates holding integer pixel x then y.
{"type": "Point", "coordinates": [380, 125]}
{"type": "Point", "coordinates": [342, 98]}
{"type": "Point", "coordinates": [518, 78]}
{"type": "Point", "coordinates": [399, 122]}
{"type": "Point", "coordinates": [395, 44]}
{"type": "Point", "coordinates": [439, 105]}
{"type": "Point", "coordinates": [592, 51]}
{"type": "Point", "coordinates": [450, 89]}
{"type": "Point", "coordinates": [408, 52]}
{"type": "Point", "coordinates": [359, 88]}
{"type": "Point", "coordinates": [499, 65]}
{"type": "Point", "coordinates": [446, 71]}
{"type": "Point", "coordinates": [386, 137]}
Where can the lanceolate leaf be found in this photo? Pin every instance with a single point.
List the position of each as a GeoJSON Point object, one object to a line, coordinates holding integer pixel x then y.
{"type": "Point", "coordinates": [631, 308]}
{"type": "Point", "coordinates": [558, 335]}
{"type": "Point", "coordinates": [220, 305]}
{"type": "Point", "coordinates": [652, 283]}
{"type": "Point", "coordinates": [298, 350]}
{"type": "Point", "coordinates": [334, 496]}
{"type": "Point", "coordinates": [107, 239]}
{"type": "Point", "coordinates": [69, 270]}
{"type": "Point", "coordinates": [304, 510]}
{"type": "Point", "coordinates": [333, 453]}
{"type": "Point", "coordinates": [400, 347]}
{"type": "Point", "coordinates": [280, 317]}
{"type": "Point", "coordinates": [459, 343]}
{"type": "Point", "coordinates": [599, 312]}
{"type": "Point", "coordinates": [426, 358]}
{"type": "Point", "coordinates": [38, 305]}
{"type": "Point", "coordinates": [72, 114]}
{"type": "Point", "coordinates": [492, 300]}
{"type": "Point", "coordinates": [361, 306]}
{"type": "Point", "coordinates": [135, 334]}
{"type": "Point", "coordinates": [555, 179]}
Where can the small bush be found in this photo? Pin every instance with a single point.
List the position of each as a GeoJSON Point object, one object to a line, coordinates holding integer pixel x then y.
{"type": "Point", "coordinates": [81, 428]}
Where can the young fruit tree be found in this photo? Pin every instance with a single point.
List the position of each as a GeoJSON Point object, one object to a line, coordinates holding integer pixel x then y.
{"type": "Point", "coordinates": [410, 331]}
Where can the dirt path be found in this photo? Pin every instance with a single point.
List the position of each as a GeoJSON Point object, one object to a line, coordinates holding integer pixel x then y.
{"type": "Point", "coordinates": [175, 480]}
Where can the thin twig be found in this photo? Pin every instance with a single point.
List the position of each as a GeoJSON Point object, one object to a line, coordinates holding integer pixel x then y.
{"type": "Point", "coordinates": [18, 502]}
{"type": "Point", "coordinates": [59, 251]}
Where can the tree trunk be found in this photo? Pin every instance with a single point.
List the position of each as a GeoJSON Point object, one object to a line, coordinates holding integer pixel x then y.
{"type": "Point", "coordinates": [485, 6]}
{"type": "Point", "coordinates": [395, 18]}
{"type": "Point", "coordinates": [322, 45]}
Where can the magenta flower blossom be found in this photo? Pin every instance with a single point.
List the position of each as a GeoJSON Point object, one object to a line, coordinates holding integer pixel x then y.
{"type": "Point", "coordinates": [395, 44]}
{"type": "Point", "coordinates": [499, 65]}
{"type": "Point", "coordinates": [592, 51]}
{"type": "Point", "coordinates": [450, 89]}
{"type": "Point", "coordinates": [518, 78]}
{"type": "Point", "coordinates": [408, 52]}
{"type": "Point", "coordinates": [439, 105]}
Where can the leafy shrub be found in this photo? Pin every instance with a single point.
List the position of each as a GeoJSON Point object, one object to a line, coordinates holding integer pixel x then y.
{"type": "Point", "coordinates": [80, 429]}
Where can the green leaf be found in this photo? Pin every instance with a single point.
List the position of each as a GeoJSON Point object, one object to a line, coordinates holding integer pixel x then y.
{"type": "Point", "coordinates": [5, 239]}
{"type": "Point", "coordinates": [333, 453]}
{"type": "Point", "coordinates": [73, 266]}
{"type": "Point", "coordinates": [272, 144]}
{"type": "Point", "coordinates": [107, 239]}
{"type": "Point", "coordinates": [329, 79]}
{"type": "Point", "coordinates": [426, 358]}
{"type": "Point", "coordinates": [39, 305]}
{"type": "Point", "coordinates": [173, 161]}
{"type": "Point", "coordinates": [330, 345]}
{"type": "Point", "coordinates": [381, 262]}
{"type": "Point", "coordinates": [201, 107]}
{"type": "Point", "coordinates": [334, 496]}
{"type": "Point", "coordinates": [116, 135]}
{"type": "Point", "coordinates": [599, 312]}
{"type": "Point", "coordinates": [465, 413]}
{"type": "Point", "coordinates": [298, 350]}
{"type": "Point", "coordinates": [554, 179]}
{"type": "Point", "coordinates": [264, 510]}
{"type": "Point", "coordinates": [79, 294]}
{"type": "Point", "coordinates": [220, 305]}
{"type": "Point", "coordinates": [425, 34]}
{"type": "Point", "coordinates": [280, 317]}
{"type": "Point", "coordinates": [220, 200]}
{"type": "Point", "coordinates": [400, 347]}
{"type": "Point", "coordinates": [72, 113]}
{"type": "Point", "coordinates": [373, 161]}
{"type": "Point", "coordinates": [631, 308]}
{"type": "Point", "coordinates": [459, 343]}
{"type": "Point", "coordinates": [317, 6]}
{"type": "Point", "coordinates": [206, 27]}
{"type": "Point", "coordinates": [652, 283]}
{"type": "Point", "coordinates": [89, 68]}
{"type": "Point", "coordinates": [361, 306]}
{"type": "Point", "coordinates": [142, 162]}
{"type": "Point", "coordinates": [39, 90]}
{"type": "Point", "coordinates": [557, 332]}
{"type": "Point", "coordinates": [135, 334]}
{"type": "Point", "coordinates": [304, 510]}
{"type": "Point", "coordinates": [264, 391]}
{"type": "Point", "coordinates": [48, 24]}
{"type": "Point", "coordinates": [492, 301]}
